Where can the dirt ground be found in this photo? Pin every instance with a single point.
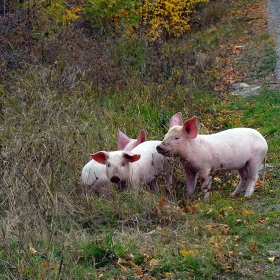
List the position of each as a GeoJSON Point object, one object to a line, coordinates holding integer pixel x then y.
{"type": "Point", "coordinates": [273, 24]}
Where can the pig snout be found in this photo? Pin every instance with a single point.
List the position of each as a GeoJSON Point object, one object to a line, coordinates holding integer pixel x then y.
{"type": "Point", "coordinates": [163, 149]}
{"type": "Point", "coordinates": [160, 149]}
{"type": "Point", "coordinates": [115, 179]}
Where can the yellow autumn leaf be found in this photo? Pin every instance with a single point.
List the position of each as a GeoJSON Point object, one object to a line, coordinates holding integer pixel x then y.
{"type": "Point", "coordinates": [271, 259]}
{"type": "Point", "coordinates": [228, 268]}
{"type": "Point", "coordinates": [218, 245]}
{"type": "Point", "coordinates": [248, 212]}
{"type": "Point", "coordinates": [186, 253]}
{"type": "Point", "coordinates": [168, 275]}
{"type": "Point", "coordinates": [217, 179]}
{"type": "Point", "coordinates": [213, 239]}
{"type": "Point", "coordinates": [47, 265]}
{"type": "Point", "coordinates": [208, 227]}
{"type": "Point", "coordinates": [153, 262]}
{"type": "Point", "coordinates": [32, 250]}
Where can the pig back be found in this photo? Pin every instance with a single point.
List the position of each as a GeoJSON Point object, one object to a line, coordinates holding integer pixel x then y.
{"type": "Point", "coordinates": [231, 148]}
{"type": "Point", "coordinates": [151, 162]}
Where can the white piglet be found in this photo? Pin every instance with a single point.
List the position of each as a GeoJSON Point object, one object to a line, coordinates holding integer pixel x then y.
{"type": "Point", "coordinates": [94, 173]}
{"type": "Point", "coordinates": [140, 166]}
{"type": "Point", "coordinates": [242, 149]}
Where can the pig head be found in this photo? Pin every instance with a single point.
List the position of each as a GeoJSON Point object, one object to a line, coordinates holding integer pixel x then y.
{"type": "Point", "coordinates": [117, 164]}
{"type": "Point", "coordinates": [241, 149]}
{"type": "Point", "coordinates": [94, 173]}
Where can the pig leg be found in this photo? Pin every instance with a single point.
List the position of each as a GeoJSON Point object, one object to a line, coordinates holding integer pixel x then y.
{"type": "Point", "coordinates": [253, 169]}
{"type": "Point", "coordinates": [153, 185]}
{"type": "Point", "coordinates": [190, 177]}
{"type": "Point", "coordinates": [206, 185]}
{"type": "Point", "coordinates": [243, 172]}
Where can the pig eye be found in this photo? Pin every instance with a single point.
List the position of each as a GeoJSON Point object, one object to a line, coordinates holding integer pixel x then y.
{"type": "Point", "coordinates": [123, 164]}
{"type": "Point", "coordinates": [176, 138]}
{"type": "Point", "coordinates": [108, 165]}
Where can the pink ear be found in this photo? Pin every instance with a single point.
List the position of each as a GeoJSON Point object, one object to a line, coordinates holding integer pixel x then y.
{"type": "Point", "coordinates": [141, 137]}
{"type": "Point", "coordinates": [176, 120]}
{"type": "Point", "coordinates": [131, 157]}
{"type": "Point", "coordinates": [191, 128]}
{"type": "Point", "coordinates": [123, 140]}
{"type": "Point", "coordinates": [100, 157]}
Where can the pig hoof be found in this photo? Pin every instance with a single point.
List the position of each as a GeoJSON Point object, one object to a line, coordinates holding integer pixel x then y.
{"type": "Point", "coordinates": [205, 198]}
{"type": "Point", "coordinates": [233, 194]}
{"type": "Point", "coordinates": [247, 195]}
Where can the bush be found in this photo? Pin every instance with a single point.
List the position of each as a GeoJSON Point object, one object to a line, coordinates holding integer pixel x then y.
{"type": "Point", "coordinates": [167, 18]}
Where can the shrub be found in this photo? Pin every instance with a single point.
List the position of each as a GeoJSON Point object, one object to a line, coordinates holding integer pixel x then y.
{"type": "Point", "coordinates": [167, 18]}
{"type": "Point", "coordinates": [104, 14]}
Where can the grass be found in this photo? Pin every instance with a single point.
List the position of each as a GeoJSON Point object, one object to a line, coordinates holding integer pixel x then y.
{"type": "Point", "coordinates": [53, 227]}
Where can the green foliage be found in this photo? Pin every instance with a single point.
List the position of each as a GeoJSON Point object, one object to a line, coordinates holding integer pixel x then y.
{"type": "Point", "coordinates": [116, 14]}
{"type": "Point", "coordinates": [98, 255]}
{"type": "Point", "coordinates": [60, 13]}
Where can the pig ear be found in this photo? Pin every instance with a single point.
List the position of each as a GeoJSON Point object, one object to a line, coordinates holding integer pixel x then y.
{"type": "Point", "coordinates": [191, 128]}
{"type": "Point", "coordinates": [141, 137]}
{"type": "Point", "coordinates": [100, 157]}
{"type": "Point", "coordinates": [123, 140]}
{"type": "Point", "coordinates": [131, 157]}
{"type": "Point", "coordinates": [176, 120]}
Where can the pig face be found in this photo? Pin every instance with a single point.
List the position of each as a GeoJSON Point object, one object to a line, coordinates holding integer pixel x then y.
{"type": "Point", "coordinates": [171, 142]}
{"type": "Point", "coordinates": [177, 137]}
{"type": "Point", "coordinates": [117, 164]}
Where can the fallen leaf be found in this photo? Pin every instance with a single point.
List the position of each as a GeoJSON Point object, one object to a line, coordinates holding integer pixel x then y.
{"type": "Point", "coordinates": [138, 271]}
{"type": "Point", "coordinates": [253, 248]}
{"type": "Point", "coordinates": [181, 204]}
{"type": "Point", "coordinates": [123, 268]}
{"type": "Point", "coordinates": [162, 201]}
{"type": "Point", "coordinates": [248, 212]}
{"type": "Point", "coordinates": [187, 209]}
{"type": "Point", "coordinates": [271, 259]}
{"type": "Point", "coordinates": [263, 220]}
{"type": "Point", "coordinates": [218, 246]}
{"type": "Point", "coordinates": [213, 239]}
{"type": "Point", "coordinates": [228, 268]}
{"type": "Point", "coordinates": [32, 250]}
{"type": "Point", "coordinates": [47, 265]}
{"type": "Point", "coordinates": [208, 227]}
{"type": "Point", "coordinates": [168, 275]}
{"type": "Point", "coordinates": [153, 262]}
{"type": "Point", "coordinates": [186, 253]}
